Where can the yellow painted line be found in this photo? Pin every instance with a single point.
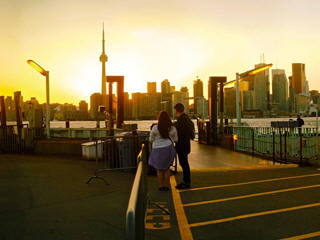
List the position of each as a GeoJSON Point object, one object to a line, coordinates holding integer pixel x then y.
{"type": "Point", "coordinates": [185, 232]}
{"type": "Point", "coordinates": [254, 215]}
{"type": "Point", "coordinates": [224, 169]}
{"type": "Point", "coordinates": [251, 182]}
{"type": "Point", "coordinates": [304, 236]}
{"type": "Point", "coordinates": [250, 195]}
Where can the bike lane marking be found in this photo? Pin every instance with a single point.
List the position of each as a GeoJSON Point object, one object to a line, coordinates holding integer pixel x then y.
{"type": "Point", "coordinates": [250, 195]}
{"type": "Point", "coordinates": [254, 215]}
{"type": "Point", "coordinates": [251, 182]}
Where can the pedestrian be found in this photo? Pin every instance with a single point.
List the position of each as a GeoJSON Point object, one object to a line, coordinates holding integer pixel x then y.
{"type": "Point", "coordinates": [300, 121]}
{"type": "Point", "coordinates": [185, 128]}
{"type": "Point", "coordinates": [163, 135]}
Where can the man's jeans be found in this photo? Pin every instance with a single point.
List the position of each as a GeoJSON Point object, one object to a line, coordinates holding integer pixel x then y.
{"type": "Point", "coordinates": [183, 160]}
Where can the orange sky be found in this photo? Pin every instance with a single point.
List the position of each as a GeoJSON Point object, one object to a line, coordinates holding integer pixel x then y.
{"type": "Point", "coordinates": [150, 41]}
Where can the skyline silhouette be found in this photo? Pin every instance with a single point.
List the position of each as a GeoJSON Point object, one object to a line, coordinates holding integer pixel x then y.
{"type": "Point", "coordinates": [150, 42]}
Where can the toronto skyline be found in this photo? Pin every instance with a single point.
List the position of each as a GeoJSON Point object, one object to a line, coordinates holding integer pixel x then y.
{"type": "Point", "coordinates": [151, 41]}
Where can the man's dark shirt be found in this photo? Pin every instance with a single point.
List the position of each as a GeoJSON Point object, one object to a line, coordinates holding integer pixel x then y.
{"type": "Point", "coordinates": [184, 125]}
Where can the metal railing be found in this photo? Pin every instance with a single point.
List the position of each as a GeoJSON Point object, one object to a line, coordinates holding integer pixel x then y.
{"type": "Point", "coordinates": [135, 216]}
{"type": "Point", "coordinates": [117, 153]}
{"type": "Point", "coordinates": [17, 140]}
{"type": "Point", "coordinates": [281, 144]}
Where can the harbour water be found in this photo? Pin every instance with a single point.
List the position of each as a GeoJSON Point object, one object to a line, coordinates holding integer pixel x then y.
{"type": "Point", "coordinates": [144, 125]}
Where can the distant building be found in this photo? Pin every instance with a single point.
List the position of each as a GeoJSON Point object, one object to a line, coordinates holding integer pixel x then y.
{"type": "Point", "coordinates": [301, 103]}
{"type": "Point", "coordinates": [165, 87]}
{"type": "Point", "coordinates": [197, 93]}
{"type": "Point", "coordinates": [298, 77]}
{"type": "Point", "coordinates": [83, 106]}
{"type": "Point", "coordinates": [202, 106]}
{"type": "Point", "coordinates": [172, 89]}
{"type": "Point", "coordinates": [127, 107]}
{"type": "Point", "coordinates": [95, 101]}
{"type": "Point", "coordinates": [180, 97]}
{"type": "Point", "coordinates": [186, 91]}
{"type": "Point", "coordinates": [146, 105]}
{"type": "Point", "coordinates": [151, 87]}
{"type": "Point", "coordinates": [230, 102]}
{"type": "Point", "coordinates": [261, 88]}
{"type": "Point", "coordinates": [280, 89]}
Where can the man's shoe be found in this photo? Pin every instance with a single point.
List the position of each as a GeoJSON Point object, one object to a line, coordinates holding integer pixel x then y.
{"type": "Point", "coordinates": [183, 186]}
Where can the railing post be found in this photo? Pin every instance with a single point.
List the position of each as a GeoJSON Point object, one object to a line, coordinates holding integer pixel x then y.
{"type": "Point", "coordinates": [280, 144]}
{"type": "Point", "coordinates": [252, 141]}
{"type": "Point", "coordinates": [273, 146]}
{"type": "Point", "coordinates": [301, 154]}
{"type": "Point", "coordinates": [285, 145]}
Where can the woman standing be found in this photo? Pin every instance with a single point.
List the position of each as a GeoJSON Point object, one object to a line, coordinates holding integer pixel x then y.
{"type": "Point", "coordinates": [163, 152]}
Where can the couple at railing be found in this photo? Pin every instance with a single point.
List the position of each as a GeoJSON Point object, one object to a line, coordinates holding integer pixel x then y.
{"type": "Point", "coordinates": [164, 136]}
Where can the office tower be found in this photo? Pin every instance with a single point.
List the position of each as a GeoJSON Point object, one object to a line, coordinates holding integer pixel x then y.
{"type": "Point", "coordinates": [83, 106]}
{"type": "Point", "coordinates": [247, 100]}
{"type": "Point", "coordinates": [165, 87]}
{"type": "Point", "coordinates": [197, 88]}
{"type": "Point", "coordinates": [197, 93]}
{"type": "Point", "coordinates": [230, 102]}
{"type": "Point", "coordinates": [315, 97]}
{"type": "Point", "coordinates": [186, 91]}
{"type": "Point", "coordinates": [261, 89]}
{"type": "Point", "coordinates": [298, 77]}
{"type": "Point", "coordinates": [95, 101]}
{"type": "Point", "coordinates": [151, 87]}
{"type": "Point", "coordinates": [172, 89]}
{"type": "Point", "coordinates": [103, 60]}
{"type": "Point", "coordinates": [146, 105]}
{"type": "Point", "coordinates": [292, 93]}
{"type": "Point", "coordinates": [280, 89]}
{"type": "Point", "coordinates": [301, 103]}
{"type": "Point", "coordinates": [180, 97]}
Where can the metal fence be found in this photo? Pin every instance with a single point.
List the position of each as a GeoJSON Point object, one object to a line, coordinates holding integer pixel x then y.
{"type": "Point", "coordinates": [15, 140]}
{"type": "Point", "coordinates": [280, 144]}
{"type": "Point", "coordinates": [117, 152]}
{"type": "Point", "coordinates": [135, 216]}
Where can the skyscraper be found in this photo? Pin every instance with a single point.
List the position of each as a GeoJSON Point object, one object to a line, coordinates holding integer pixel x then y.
{"type": "Point", "coordinates": [298, 77]}
{"type": "Point", "coordinates": [151, 87]}
{"type": "Point", "coordinates": [95, 101]}
{"type": "Point", "coordinates": [261, 89]}
{"type": "Point", "coordinates": [103, 60]}
{"type": "Point", "coordinates": [197, 88]}
{"type": "Point", "coordinates": [165, 87]}
{"type": "Point", "coordinates": [280, 89]}
{"type": "Point", "coordinates": [197, 93]}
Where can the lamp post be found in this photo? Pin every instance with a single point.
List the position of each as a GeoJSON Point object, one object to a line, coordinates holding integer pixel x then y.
{"type": "Point", "coordinates": [45, 73]}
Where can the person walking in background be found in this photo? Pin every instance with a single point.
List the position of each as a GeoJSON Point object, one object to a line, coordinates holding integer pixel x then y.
{"type": "Point", "coordinates": [163, 135]}
{"type": "Point", "coordinates": [185, 128]}
{"type": "Point", "coordinates": [300, 121]}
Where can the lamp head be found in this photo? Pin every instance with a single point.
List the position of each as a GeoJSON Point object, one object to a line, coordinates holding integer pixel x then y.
{"type": "Point", "coordinates": [37, 67]}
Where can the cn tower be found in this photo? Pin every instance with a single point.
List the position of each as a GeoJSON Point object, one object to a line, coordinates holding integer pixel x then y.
{"type": "Point", "coordinates": [103, 60]}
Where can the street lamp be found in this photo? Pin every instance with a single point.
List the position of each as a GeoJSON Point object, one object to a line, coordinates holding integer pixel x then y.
{"type": "Point", "coordinates": [46, 74]}
{"type": "Point", "coordinates": [240, 76]}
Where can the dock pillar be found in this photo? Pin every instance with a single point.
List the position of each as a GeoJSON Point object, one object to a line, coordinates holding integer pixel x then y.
{"type": "Point", "coordinates": [213, 107]}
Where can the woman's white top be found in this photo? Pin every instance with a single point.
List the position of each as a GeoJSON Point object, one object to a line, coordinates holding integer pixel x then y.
{"type": "Point", "coordinates": [158, 141]}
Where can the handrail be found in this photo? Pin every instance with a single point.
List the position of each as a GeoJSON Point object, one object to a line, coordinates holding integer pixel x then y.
{"type": "Point", "coordinates": [137, 203]}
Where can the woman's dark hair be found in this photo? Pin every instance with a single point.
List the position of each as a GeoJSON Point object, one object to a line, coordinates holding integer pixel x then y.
{"type": "Point", "coordinates": [164, 124]}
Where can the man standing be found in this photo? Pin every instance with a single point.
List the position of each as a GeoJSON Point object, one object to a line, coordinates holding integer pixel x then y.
{"type": "Point", "coordinates": [185, 130]}
{"type": "Point", "coordinates": [300, 121]}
